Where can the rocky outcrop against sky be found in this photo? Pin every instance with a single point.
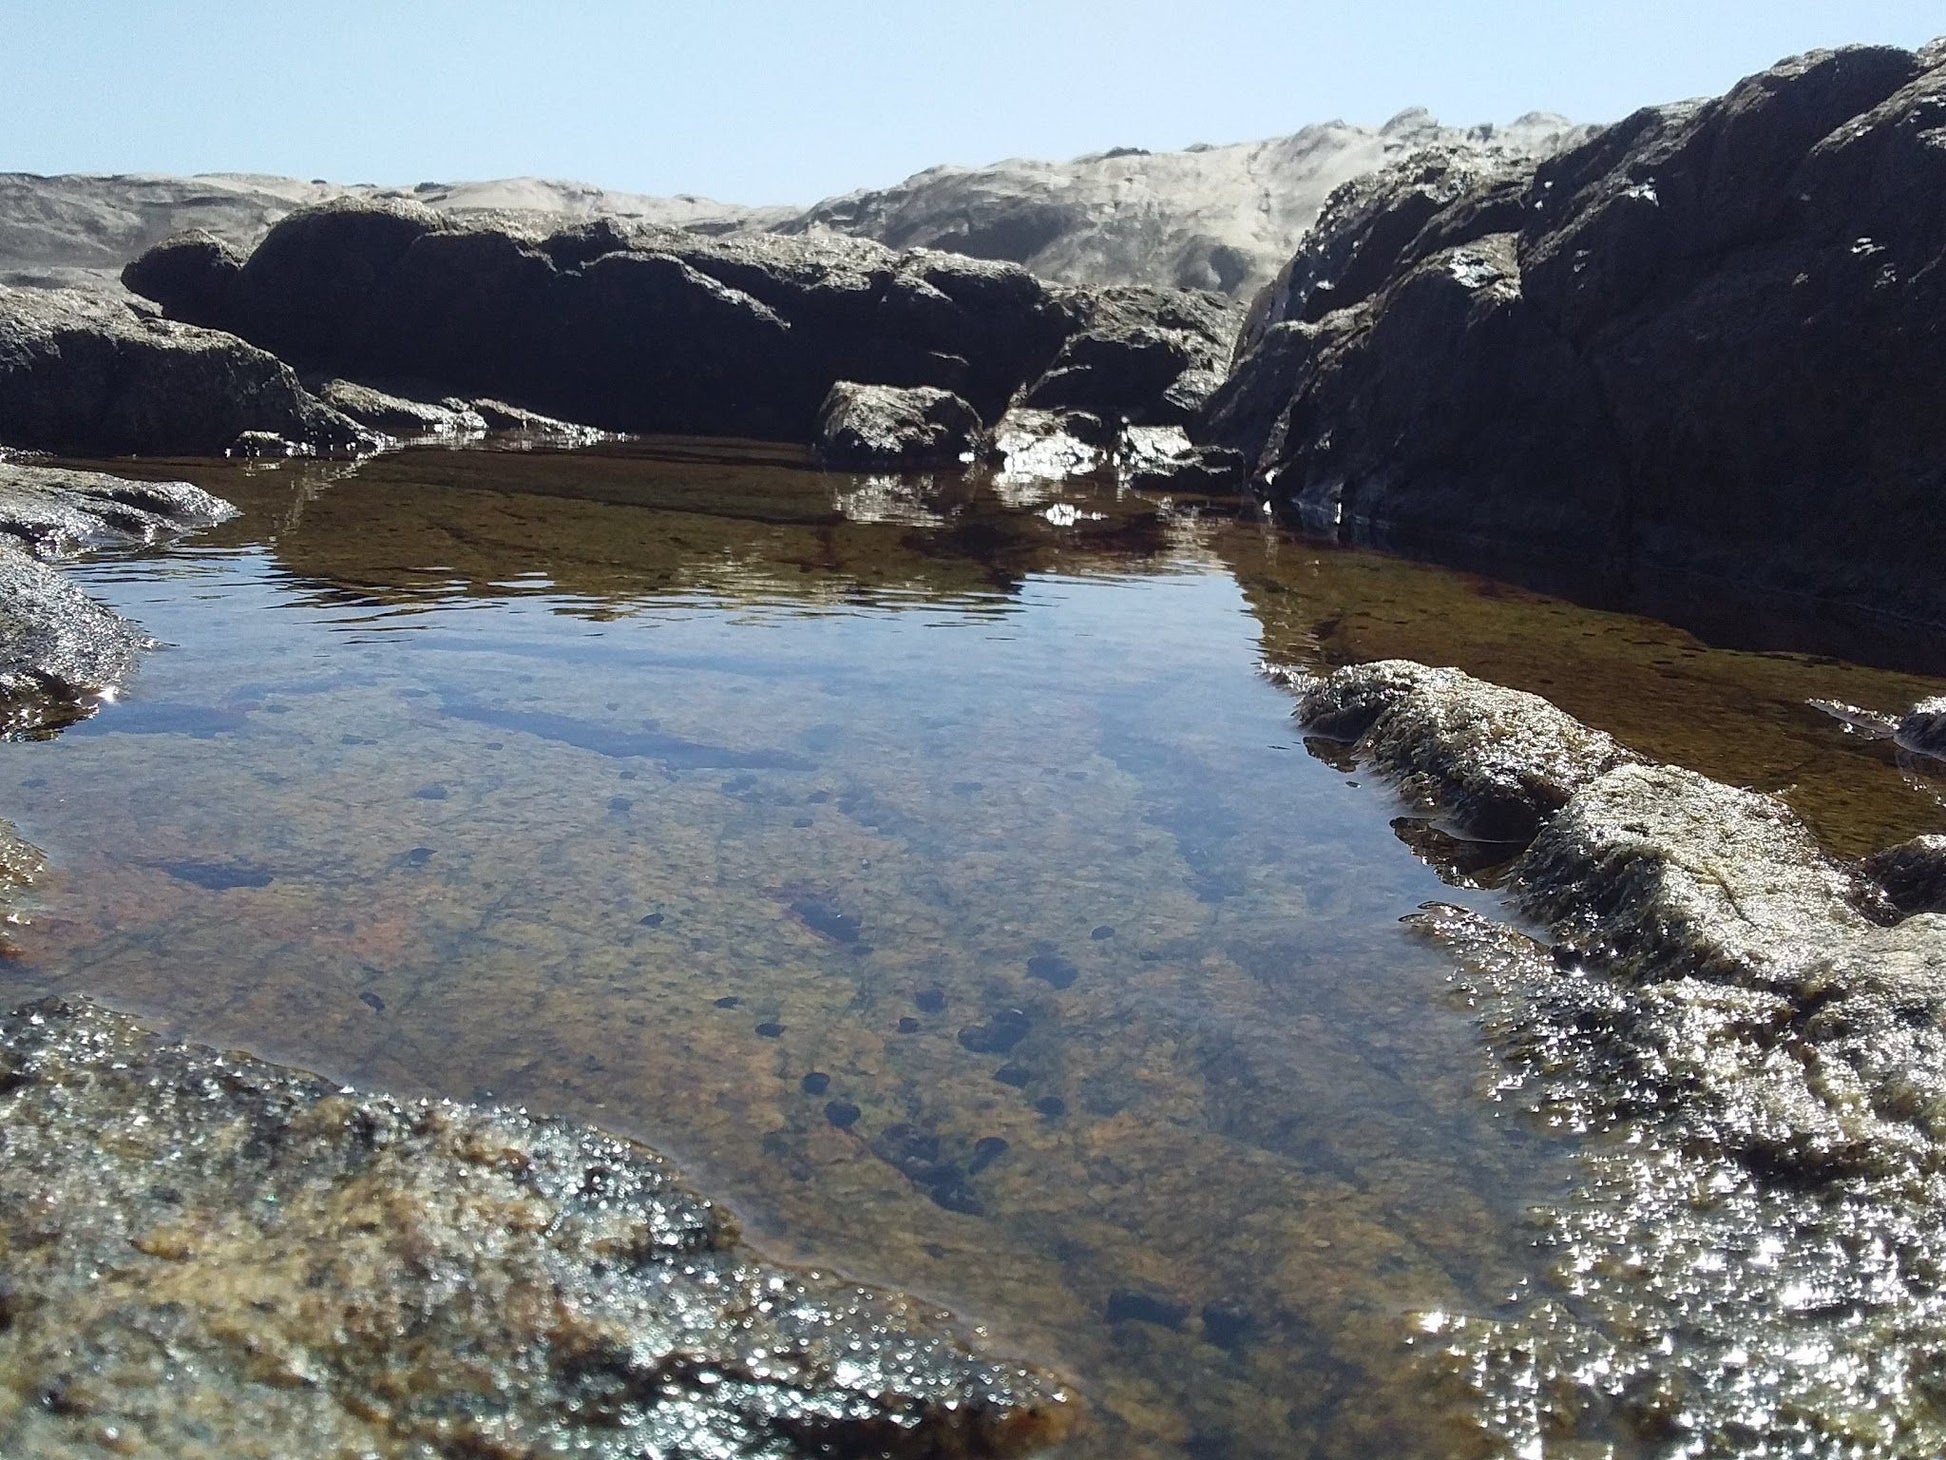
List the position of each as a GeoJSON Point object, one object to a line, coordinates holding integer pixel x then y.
{"type": "Point", "coordinates": [1223, 218]}
{"type": "Point", "coordinates": [1706, 343]}
{"type": "Point", "coordinates": [53, 228]}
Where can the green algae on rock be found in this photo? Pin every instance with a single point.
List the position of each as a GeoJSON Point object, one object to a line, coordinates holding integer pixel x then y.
{"type": "Point", "coordinates": [206, 1255]}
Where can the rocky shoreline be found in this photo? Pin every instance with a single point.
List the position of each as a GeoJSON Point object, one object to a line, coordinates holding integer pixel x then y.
{"type": "Point", "coordinates": [1750, 1035]}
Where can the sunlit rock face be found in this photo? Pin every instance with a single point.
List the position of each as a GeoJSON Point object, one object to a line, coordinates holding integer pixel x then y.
{"type": "Point", "coordinates": [1752, 1045]}
{"type": "Point", "coordinates": [210, 1256]}
{"type": "Point", "coordinates": [1704, 343]}
{"type": "Point", "coordinates": [1217, 218]}
{"type": "Point", "coordinates": [881, 425]}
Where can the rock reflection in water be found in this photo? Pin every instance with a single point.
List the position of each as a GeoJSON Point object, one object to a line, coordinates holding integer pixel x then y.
{"type": "Point", "coordinates": [975, 921]}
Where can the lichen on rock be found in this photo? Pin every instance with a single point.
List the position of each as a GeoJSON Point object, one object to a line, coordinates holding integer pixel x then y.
{"type": "Point", "coordinates": [204, 1255]}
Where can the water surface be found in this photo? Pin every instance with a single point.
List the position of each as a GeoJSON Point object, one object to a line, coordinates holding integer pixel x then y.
{"type": "Point", "coordinates": [932, 875]}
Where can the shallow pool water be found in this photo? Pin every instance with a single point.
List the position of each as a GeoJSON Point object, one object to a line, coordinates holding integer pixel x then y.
{"type": "Point", "coordinates": [931, 873]}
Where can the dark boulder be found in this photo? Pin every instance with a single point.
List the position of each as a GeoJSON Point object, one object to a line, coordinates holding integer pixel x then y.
{"type": "Point", "coordinates": [88, 374]}
{"type": "Point", "coordinates": [1709, 344]}
{"type": "Point", "coordinates": [195, 271]}
{"type": "Point", "coordinates": [630, 326]}
{"type": "Point", "coordinates": [886, 426]}
{"type": "Point", "coordinates": [633, 327]}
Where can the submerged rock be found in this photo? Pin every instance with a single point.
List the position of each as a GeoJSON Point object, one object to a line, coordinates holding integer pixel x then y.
{"type": "Point", "coordinates": [207, 1255]}
{"type": "Point", "coordinates": [885, 426]}
{"type": "Point", "coordinates": [91, 374]}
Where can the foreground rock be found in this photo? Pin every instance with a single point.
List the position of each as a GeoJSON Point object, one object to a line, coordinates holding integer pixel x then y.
{"type": "Point", "coordinates": [869, 426]}
{"type": "Point", "coordinates": [58, 647]}
{"type": "Point", "coordinates": [631, 327]}
{"type": "Point", "coordinates": [1709, 342]}
{"type": "Point", "coordinates": [87, 374]}
{"type": "Point", "coordinates": [1754, 1038]}
{"type": "Point", "coordinates": [207, 1255]}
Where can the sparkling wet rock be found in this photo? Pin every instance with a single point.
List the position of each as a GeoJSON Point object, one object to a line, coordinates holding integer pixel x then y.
{"type": "Point", "coordinates": [343, 1272]}
{"type": "Point", "coordinates": [401, 416]}
{"type": "Point", "coordinates": [1763, 1058]}
{"type": "Point", "coordinates": [337, 1272]}
{"type": "Point", "coordinates": [1499, 760]}
{"type": "Point", "coordinates": [57, 645]}
{"type": "Point", "coordinates": [870, 426]}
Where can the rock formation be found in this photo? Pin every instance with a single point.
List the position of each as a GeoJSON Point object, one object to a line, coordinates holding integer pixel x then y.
{"type": "Point", "coordinates": [639, 328]}
{"type": "Point", "coordinates": [1216, 218]}
{"type": "Point", "coordinates": [92, 375]}
{"type": "Point", "coordinates": [1709, 342]}
{"type": "Point", "coordinates": [885, 426]}
{"type": "Point", "coordinates": [1753, 1034]}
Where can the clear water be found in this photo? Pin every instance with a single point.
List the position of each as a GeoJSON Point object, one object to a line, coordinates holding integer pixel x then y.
{"type": "Point", "coordinates": [938, 883]}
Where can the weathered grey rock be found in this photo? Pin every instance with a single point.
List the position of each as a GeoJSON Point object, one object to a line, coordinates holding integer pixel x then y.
{"type": "Point", "coordinates": [1500, 761]}
{"type": "Point", "coordinates": [1199, 469]}
{"type": "Point", "coordinates": [1923, 728]}
{"type": "Point", "coordinates": [1912, 875]}
{"type": "Point", "coordinates": [1214, 218]}
{"type": "Point", "coordinates": [56, 513]}
{"type": "Point", "coordinates": [92, 221]}
{"type": "Point", "coordinates": [397, 415]}
{"type": "Point", "coordinates": [1669, 874]}
{"type": "Point", "coordinates": [1762, 1063]}
{"type": "Point", "coordinates": [92, 375]}
{"type": "Point", "coordinates": [57, 645]}
{"type": "Point", "coordinates": [1707, 343]}
{"type": "Point", "coordinates": [884, 426]}
{"type": "Point", "coordinates": [195, 270]}
{"type": "Point", "coordinates": [209, 1256]}
{"type": "Point", "coordinates": [500, 416]}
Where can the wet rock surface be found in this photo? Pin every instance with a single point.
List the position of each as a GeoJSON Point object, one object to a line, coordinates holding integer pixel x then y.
{"type": "Point", "coordinates": [91, 374]}
{"type": "Point", "coordinates": [882, 425]}
{"type": "Point", "coordinates": [1759, 1066]}
{"type": "Point", "coordinates": [1912, 875]}
{"type": "Point", "coordinates": [207, 1255]}
{"type": "Point", "coordinates": [400, 416]}
{"type": "Point", "coordinates": [57, 645]}
{"type": "Point", "coordinates": [1500, 760]}
{"type": "Point", "coordinates": [1704, 342]}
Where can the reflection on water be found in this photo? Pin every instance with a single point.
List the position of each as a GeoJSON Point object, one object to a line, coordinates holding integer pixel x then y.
{"type": "Point", "coordinates": [926, 869]}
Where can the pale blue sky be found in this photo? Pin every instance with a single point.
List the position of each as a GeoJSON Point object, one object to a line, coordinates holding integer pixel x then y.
{"type": "Point", "coordinates": [781, 102]}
